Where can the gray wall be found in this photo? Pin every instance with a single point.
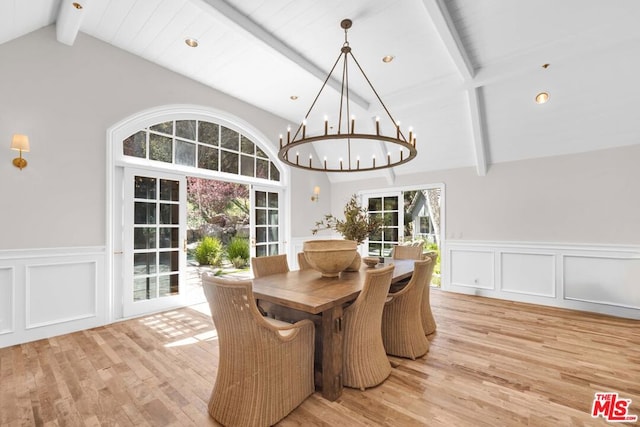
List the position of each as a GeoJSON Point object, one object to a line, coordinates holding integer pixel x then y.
{"type": "Point", "coordinates": [581, 198]}
{"type": "Point", "coordinates": [65, 98]}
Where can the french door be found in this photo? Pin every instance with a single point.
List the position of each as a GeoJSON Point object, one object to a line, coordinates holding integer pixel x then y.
{"type": "Point", "coordinates": [154, 249]}
{"type": "Point", "coordinates": [390, 209]}
{"type": "Point", "coordinates": [266, 225]}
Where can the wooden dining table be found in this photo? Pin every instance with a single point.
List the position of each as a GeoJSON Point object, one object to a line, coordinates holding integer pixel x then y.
{"type": "Point", "coordinates": [306, 294]}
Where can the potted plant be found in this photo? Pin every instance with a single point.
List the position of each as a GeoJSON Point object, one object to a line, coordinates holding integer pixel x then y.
{"type": "Point", "coordinates": [357, 225]}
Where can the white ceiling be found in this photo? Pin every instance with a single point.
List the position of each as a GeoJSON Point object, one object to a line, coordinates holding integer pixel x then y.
{"type": "Point", "coordinates": [464, 77]}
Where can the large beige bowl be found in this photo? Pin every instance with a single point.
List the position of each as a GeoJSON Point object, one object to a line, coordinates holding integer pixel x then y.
{"type": "Point", "coordinates": [329, 257]}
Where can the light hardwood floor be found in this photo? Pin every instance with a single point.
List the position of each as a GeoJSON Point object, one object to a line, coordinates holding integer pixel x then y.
{"type": "Point", "coordinates": [491, 363]}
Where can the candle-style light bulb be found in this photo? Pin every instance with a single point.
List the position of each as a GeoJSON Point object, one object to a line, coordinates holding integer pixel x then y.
{"type": "Point", "coordinates": [377, 125]}
{"type": "Point", "coordinates": [297, 157]}
{"type": "Point", "coordinates": [353, 123]}
{"type": "Point", "coordinates": [304, 128]}
{"type": "Point", "coordinates": [288, 134]}
{"type": "Point", "coordinates": [358, 162]}
{"type": "Point", "coordinates": [325, 162]}
{"type": "Point", "coordinates": [326, 125]}
{"type": "Point", "coordinates": [280, 140]}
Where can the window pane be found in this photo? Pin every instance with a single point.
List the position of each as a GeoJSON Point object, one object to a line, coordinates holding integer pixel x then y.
{"type": "Point", "coordinates": [169, 238]}
{"type": "Point", "coordinates": [247, 165]}
{"type": "Point", "coordinates": [136, 145]}
{"type": "Point", "coordinates": [390, 234]}
{"type": "Point", "coordinates": [207, 158]}
{"type": "Point", "coordinates": [144, 213]}
{"type": "Point", "coordinates": [144, 263]}
{"type": "Point", "coordinates": [386, 249]}
{"type": "Point", "coordinates": [185, 153]}
{"type": "Point", "coordinates": [160, 148]}
{"type": "Point", "coordinates": [246, 146]}
{"type": "Point", "coordinates": [273, 234]}
{"type": "Point", "coordinates": [169, 213]}
{"type": "Point", "coordinates": [230, 139]}
{"type": "Point", "coordinates": [168, 262]}
{"type": "Point", "coordinates": [168, 285]}
{"type": "Point", "coordinates": [390, 203]}
{"type": "Point", "coordinates": [145, 188]}
{"type": "Point", "coordinates": [261, 250]}
{"type": "Point", "coordinates": [166, 127]}
{"type": "Point", "coordinates": [261, 217]}
{"type": "Point", "coordinates": [261, 153]}
{"type": "Point", "coordinates": [261, 234]}
{"type": "Point", "coordinates": [375, 204]}
{"type": "Point", "coordinates": [208, 133]}
{"type": "Point", "coordinates": [391, 218]}
{"type": "Point", "coordinates": [169, 190]}
{"type": "Point", "coordinates": [375, 249]}
{"type": "Point", "coordinates": [377, 236]}
{"type": "Point", "coordinates": [273, 217]}
{"type": "Point", "coordinates": [273, 249]}
{"type": "Point", "coordinates": [144, 238]}
{"type": "Point", "coordinates": [144, 288]}
{"type": "Point", "coordinates": [262, 168]}
{"type": "Point", "coordinates": [273, 200]}
{"type": "Point", "coordinates": [229, 162]}
{"type": "Point", "coordinates": [275, 173]}
{"type": "Point", "coordinates": [261, 199]}
{"type": "Point", "coordinates": [186, 129]}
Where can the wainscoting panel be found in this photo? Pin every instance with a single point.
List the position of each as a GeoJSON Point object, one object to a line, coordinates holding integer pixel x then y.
{"type": "Point", "coordinates": [472, 268]}
{"type": "Point", "coordinates": [614, 281]}
{"type": "Point", "coordinates": [60, 292]}
{"type": "Point", "coordinates": [598, 278]}
{"type": "Point", "coordinates": [49, 292]}
{"type": "Point", "coordinates": [528, 274]}
{"type": "Point", "coordinates": [7, 292]}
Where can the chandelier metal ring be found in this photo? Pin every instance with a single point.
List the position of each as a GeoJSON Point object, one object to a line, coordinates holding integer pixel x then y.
{"type": "Point", "coordinates": [403, 148]}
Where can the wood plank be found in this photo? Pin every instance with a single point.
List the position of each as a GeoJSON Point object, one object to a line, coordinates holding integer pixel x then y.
{"type": "Point", "coordinates": [491, 362]}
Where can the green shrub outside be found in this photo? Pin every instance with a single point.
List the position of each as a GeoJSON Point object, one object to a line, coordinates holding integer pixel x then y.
{"type": "Point", "coordinates": [209, 251]}
{"type": "Point", "coordinates": [436, 268]}
{"type": "Point", "coordinates": [238, 252]}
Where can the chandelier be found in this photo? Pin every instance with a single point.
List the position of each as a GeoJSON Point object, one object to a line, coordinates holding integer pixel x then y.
{"type": "Point", "coordinates": [354, 149]}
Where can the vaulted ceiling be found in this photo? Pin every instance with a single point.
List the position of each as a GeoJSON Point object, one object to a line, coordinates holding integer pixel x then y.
{"type": "Point", "coordinates": [464, 74]}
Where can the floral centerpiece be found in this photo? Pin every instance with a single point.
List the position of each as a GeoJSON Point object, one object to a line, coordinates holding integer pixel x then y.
{"type": "Point", "coordinates": [357, 224]}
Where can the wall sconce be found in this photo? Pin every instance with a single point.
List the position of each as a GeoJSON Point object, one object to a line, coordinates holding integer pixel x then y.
{"type": "Point", "coordinates": [20, 143]}
{"type": "Point", "coordinates": [316, 194]}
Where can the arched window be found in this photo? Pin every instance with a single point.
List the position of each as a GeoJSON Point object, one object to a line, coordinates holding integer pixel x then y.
{"type": "Point", "coordinates": [201, 144]}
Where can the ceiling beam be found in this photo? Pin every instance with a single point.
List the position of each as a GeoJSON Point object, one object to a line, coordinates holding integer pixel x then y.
{"type": "Point", "coordinates": [251, 27]}
{"type": "Point", "coordinates": [446, 29]}
{"type": "Point", "coordinates": [477, 124]}
{"type": "Point", "coordinates": [68, 21]}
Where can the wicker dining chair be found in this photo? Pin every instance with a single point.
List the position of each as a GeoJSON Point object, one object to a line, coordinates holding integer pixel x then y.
{"type": "Point", "coordinates": [303, 264]}
{"type": "Point", "coordinates": [402, 332]}
{"type": "Point", "coordinates": [265, 366]}
{"type": "Point", "coordinates": [407, 252]}
{"type": "Point", "coordinates": [365, 363]}
{"type": "Point", "coordinates": [428, 321]}
{"type": "Point", "coordinates": [267, 265]}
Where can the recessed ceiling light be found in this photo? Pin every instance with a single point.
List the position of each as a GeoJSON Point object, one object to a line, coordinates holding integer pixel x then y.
{"type": "Point", "coordinates": [542, 97]}
{"type": "Point", "coordinates": [76, 5]}
{"type": "Point", "coordinates": [293, 97]}
{"type": "Point", "coordinates": [387, 58]}
{"type": "Point", "coordinates": [545, 66]}
{"type": "Point", "coordinates": [191, 42]}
